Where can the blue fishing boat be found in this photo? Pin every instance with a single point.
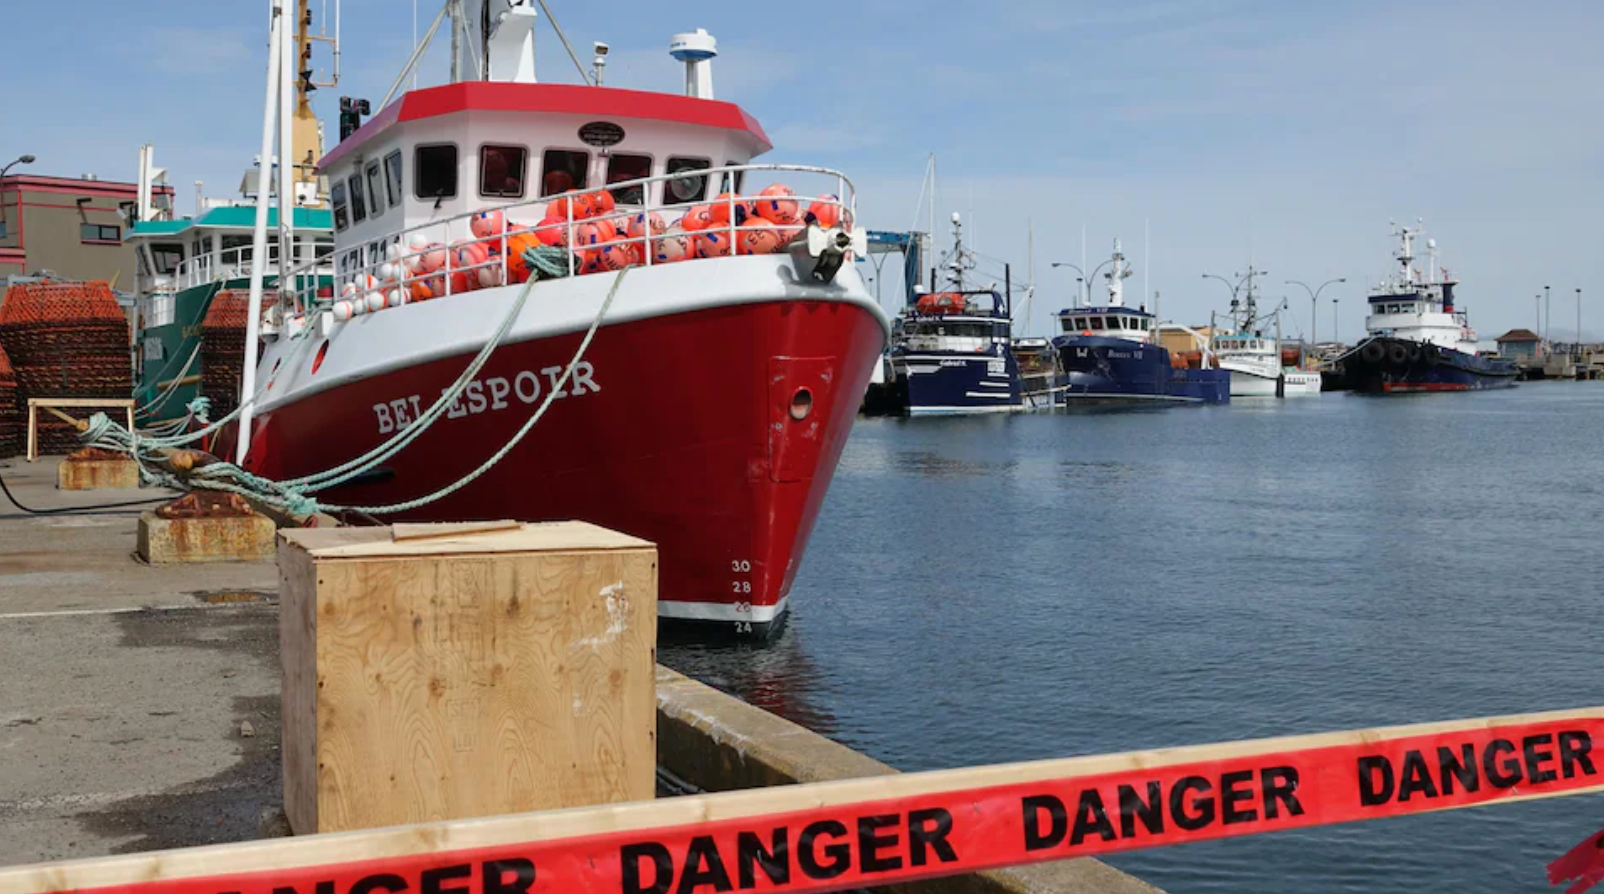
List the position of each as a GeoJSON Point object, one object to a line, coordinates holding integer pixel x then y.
{"type": "Point", "coordinates": [951, 351]}
{"type": "Point", "coordinates": [1107, 355]}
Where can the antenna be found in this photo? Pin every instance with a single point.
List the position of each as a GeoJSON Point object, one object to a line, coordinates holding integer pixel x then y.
{"type": "Point", "coordinates": [696, 49]}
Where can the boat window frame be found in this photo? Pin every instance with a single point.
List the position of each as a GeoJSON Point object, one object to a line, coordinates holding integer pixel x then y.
{"type": "Point", "coordinates": [734, 180]}
{"type": "Point", "coordinates": [340, 205]}
{"type": "Point", "coordinates": [394, 177]}
{"type": "Point", "coordinates": [701, 179]}
{"type": "Point", "coordinates": [159, 250]}
{"type": "Point", "coordinates": [1095, 323]}
{"type": "Point", "coordinates": [419, 169]}
{"type": "Point", "coordinates": [523, 172]}
{"type": "Point", "coordinates": [375, 177]}
{"type": "Point", "coordinates": [645, 189]}
{"type": "Point", "coordinates": [359, 201]}
{"type": "Point", "coordinates": [584, 170]}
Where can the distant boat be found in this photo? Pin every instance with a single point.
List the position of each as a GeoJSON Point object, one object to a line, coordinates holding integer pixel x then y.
{"type": "Point", "coordinates": [1107, 355]}
{"type": "Point", "coordinates": [1417, 340]}
{"type": "Point", "coordinates": [950, 354]}
{"type": "Point", "coordinates": [1254, 362]}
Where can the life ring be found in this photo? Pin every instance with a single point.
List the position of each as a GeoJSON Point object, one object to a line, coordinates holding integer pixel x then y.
{"type": "Point", "coordinates": [1398, 354]}
{"type": "Point", "coordinates": [1372, 352]}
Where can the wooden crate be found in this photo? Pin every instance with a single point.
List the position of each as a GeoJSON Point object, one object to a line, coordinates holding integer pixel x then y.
{"type": "Point", "coordinates": [443, 672]}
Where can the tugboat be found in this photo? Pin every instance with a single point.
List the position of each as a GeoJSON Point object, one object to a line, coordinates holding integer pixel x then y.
{"type": "Point", "coordinates": [733, 337]}
{"type": "Point", "coordinates": [1108, 355]}
{"type": "Point", "coordinates": [952, 353]}
{"type": "Point", "coordinates": [1418, 341]}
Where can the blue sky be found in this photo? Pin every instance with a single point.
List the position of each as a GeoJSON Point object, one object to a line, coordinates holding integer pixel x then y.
{"type": "Point", "coordinates": [1291, 131]}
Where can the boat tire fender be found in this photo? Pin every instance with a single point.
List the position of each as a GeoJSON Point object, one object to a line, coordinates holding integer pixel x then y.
{"type": "Point", "coordinates": [1397, 354]}
{"type": "Point", "coordinates": [1373, 352]}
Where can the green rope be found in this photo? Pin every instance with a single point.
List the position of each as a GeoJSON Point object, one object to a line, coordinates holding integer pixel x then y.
{"type": "Point", "coordinates": [295, 496]}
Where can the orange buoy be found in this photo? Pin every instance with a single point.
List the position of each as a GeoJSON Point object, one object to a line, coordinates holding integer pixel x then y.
{"type": "Point", "coordinates": [775, 204]}
{"type": "Point", "coordinates": [713, 245]}
{"type": "Point", "coordinates": [824, 211]}
{"type": "Point", "coordinates": [761, 240]}
{"type": "Point", "coordinates": [697, 218]}
{"type": "Point", "coordinates": [615, 256]}
{"type": "Point", "coordinates": [594, 232]}
{"type": "Point", "coordinates": [674, 245]}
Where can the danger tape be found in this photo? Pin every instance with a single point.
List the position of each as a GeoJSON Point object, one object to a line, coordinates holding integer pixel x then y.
{"type": "Point", "coordinates": [859, 833]}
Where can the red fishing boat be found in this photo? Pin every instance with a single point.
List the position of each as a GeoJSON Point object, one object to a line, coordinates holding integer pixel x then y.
{"type": "Point", "coordinates": [735, 337]}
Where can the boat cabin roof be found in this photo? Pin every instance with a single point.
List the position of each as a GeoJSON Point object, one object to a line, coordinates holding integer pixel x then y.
{"type": "Point", "coordinates": [230, 218]}
{"type": "Point", "coordinates": [456, 149]}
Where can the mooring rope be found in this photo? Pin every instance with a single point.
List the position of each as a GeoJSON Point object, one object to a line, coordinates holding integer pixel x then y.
{"type": "Point", "coordinates": [294, 495]}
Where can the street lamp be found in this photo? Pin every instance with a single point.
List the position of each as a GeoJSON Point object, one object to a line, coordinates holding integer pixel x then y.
{"type": "Point", "coordinates": [1235, 287]}
{"type": "Point", "coordinates": [1079, 280]}
{"type": "Point", "coordinates": [1548, 315]}
{"type": "Point", "coordinates": [22, 160]}
{"type": "Point", "coordinates": [1334, 336]}
{"type": "Point", "coordinates": [1314, 302]}
{"type": "Point", "coordinates": [1084, 278]}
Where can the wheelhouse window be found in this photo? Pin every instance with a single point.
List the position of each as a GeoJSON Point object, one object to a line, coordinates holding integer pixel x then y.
{"type": "Point", "coordinates": [622, 168]}
{"type": "Point", "coordinates": [100, 233]}
{"type": "Point", "coordinates": [1094, 323]}
{"type": "Point", "coordinates": [375, 189]}
{"type": "Point", "coordinates": [359, 202]}
{"type": "Point", "coordinates": [392, 178]}
{"type": "Point", "coordinates": [563, 170]}
{"type": "Point", "coordinates": [686, 189]}
{"type": "Point", "coordinates": [734, 179]}
{"type": "Point", "coordinates": [435, 172]}
{"type": "Point", "coordinates": [501, 171]}
{"type": "Point", "coordinates": [342, 211]}
{"type": "Point", "coordinates": [167, 256]}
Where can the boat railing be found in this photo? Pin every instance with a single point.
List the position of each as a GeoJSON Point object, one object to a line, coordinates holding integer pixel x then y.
{"type": "Point", "coordinates": [235, 263]}
{"type": "Point", "coordinates": [446, 257]}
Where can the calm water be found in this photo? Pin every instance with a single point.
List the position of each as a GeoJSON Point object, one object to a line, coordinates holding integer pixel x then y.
{"type": "Point", "coordinates": [983, 590]}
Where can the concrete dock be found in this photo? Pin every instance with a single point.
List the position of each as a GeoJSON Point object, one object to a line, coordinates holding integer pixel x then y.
{"type": "Point", "coordinates": [140, 708]}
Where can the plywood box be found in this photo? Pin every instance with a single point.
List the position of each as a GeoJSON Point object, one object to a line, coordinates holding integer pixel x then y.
{"type": "Point", "coordinates": [454, 671]}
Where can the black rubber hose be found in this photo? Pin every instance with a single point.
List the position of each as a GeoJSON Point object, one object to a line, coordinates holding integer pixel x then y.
{"type": "Point", "coordinates": [75, 510]}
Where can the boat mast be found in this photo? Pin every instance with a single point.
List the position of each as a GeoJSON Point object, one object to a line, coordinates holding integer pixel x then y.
{"type": "Point", "coordinates": [278, 34]}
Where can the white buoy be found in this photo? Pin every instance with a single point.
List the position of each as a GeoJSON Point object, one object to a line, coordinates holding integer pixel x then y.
{"type": "Point", "coordinates": [343, 311]}
{"type": "Point", "coordinates": [375, 302]}
{"type": "Point", "coordinates": [395, 298]}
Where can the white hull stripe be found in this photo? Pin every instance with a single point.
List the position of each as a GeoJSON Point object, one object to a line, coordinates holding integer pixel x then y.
{"type": "Point", "coordinates": [720, 611]}
{"type": "Point", "coordinates": [960, 411]}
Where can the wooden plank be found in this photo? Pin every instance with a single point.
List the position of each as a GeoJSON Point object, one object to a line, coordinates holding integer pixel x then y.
{"type": "Point", "coordinates": [367, 543]}
{"type": "Point", "coordinates": [425, 686]}
{"type": "Point", "coordinates": [81, 402]}
{"type": "Point", "coordinates": [401, 531]}
{"type": "Point", "coordinates": [33, 432]}
{"type": "Point", "coordinates": [297, 620]}
{"type": "Point", "coordinates": [580, 850]}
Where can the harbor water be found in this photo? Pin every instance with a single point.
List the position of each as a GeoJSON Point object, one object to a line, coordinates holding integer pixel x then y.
{"type": "Point", "coordinates": [998, 589]}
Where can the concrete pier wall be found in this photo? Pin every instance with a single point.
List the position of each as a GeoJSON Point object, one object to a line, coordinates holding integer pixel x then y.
{"type": "Point", "coordinates": [717, 742]}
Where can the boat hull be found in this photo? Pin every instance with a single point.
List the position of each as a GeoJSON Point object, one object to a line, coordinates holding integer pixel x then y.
{"type": "Point", "coordinates": [680, 428]}
{"type": "Point", "coordinates": [943, 384]}
{"type": "Point", "coordinates": [1104, 370]}
{"type": "Point", "coordinates": [1296, 382]}
{"type": "Point", "coordinates": [1382, 365]}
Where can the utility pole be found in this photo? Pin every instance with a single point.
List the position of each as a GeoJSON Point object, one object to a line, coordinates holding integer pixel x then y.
{"type": "Point", "coordinates": [1334, 336]}
{"type": "Point", "coordinates": [1578, 324]}
{"type": "Point", "coordinates": [1548, 316]}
